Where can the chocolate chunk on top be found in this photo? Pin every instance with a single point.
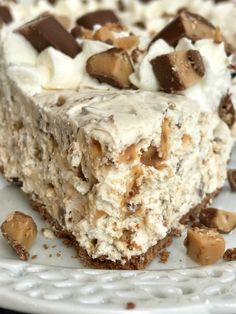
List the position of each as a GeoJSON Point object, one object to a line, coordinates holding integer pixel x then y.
{"type": "Point", "coordinates": [46, 31]}
{"type": "Point", "coordinates": [100, 17]}
{"type": "Point", "coordinates": [112, 67]}
{"type": "Point", "coordinates": [227, 111]}
{"type": "Point", "coordinates": [186, 24]}
{"type": "Point", "coordinates": [178, 70]}
{"type": "Point", "coordinates": [5, 14]}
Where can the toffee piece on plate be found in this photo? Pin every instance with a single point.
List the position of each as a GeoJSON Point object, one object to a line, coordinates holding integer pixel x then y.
{"type": "Point", "coordinates": [20, 232]}
{"type": "Point", "coordinates": [178, 70]}
{"type": "Point", "coordinates": [100, 17]}
{"type": "Point", "coordinates": [204, 246]}
{"type": "Point", "coordinates": [45, 31]}
{"type": "Point", "coordinates": [186, 24]}
{"type": "Point", "coordinates": [223, 221]}
{"type": "Point", "coordinates": [112, 67]}
{"type": "Point", "coordinates": [5, 14]}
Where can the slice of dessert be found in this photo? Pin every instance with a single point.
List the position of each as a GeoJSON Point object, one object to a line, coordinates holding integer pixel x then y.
{"type": "Point", "coordinates": [111, 167]}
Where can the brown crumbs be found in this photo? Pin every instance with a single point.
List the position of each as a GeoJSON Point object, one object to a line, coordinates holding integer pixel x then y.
{"type": "Point", "coordinates": [58, 254]}
{"type": "Point", "coordinates": [164, 256]}
{"type": "Point", "coordinates": [68, 243]}
{"type": "Point", "coordinates": [176, 232]}
{"type": "Point", "coordinates": [230, 255]}
{"type": "Point", "coordinates": [130, 306]}
{"type": "Point", "coordinates": [46, 247]}
{"type": "Point", "coordinates": [34, 256]}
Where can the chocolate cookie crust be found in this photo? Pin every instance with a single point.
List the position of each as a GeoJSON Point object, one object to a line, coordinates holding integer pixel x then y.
{"type": "Point", "coordinates": [135, 263]}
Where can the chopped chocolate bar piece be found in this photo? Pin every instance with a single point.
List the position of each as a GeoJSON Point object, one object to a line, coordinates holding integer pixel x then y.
{"type": "Point", "coordinates": [81, 32]}
{"type": "Point", "coordinates": [112, 67]}
{"type": "Point", "coordinates": [46, 31]}
{"type": "Point", "coordinates": [227, 111]}
{"type": "Point", "coordinates": [100, 17]}
{"type": "Point", "coordinates": [107, 34]}
{"type": "Point", "coordinates": [178, 70]}
{"type": "Point", "coordinates": [20, 231]}
{"type": "Point", "coordinates": [204, 246]}
{"type": "Point", "coordinates": [64, 20]}
{"type": "Point", "coordinates": [221, 220]}
{"type": "Point", "coordinates": [52, 1]}
{"type": "Point", "coordinates": [188, 25]}
{"type": "Point", "coordinates": [232, 179]}
{"type": "Point", "coordinates": [230, 255]}
{"type": "Point", "coordinates": [5, 14]}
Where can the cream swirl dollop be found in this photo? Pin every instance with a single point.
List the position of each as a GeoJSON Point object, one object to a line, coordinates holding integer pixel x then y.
{"type": "Point", "coordinates": [53, 70]}
{"type": "Point", "coordinates": [50, 69]}
{"type": "Point", "coordinates": [209, 90]}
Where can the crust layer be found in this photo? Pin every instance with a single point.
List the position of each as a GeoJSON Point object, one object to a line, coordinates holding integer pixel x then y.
{"type": "Point", "coordinates": [136, 262]}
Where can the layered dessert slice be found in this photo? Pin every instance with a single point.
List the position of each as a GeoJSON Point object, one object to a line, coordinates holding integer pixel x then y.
{"type": "Point", "coordinates": [113, 143]}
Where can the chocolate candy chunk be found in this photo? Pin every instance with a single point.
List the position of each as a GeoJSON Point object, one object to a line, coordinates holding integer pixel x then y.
{"type": "Point", "coordinates": [230, 255]}
{"type": "Point", "coordinates": [188, 25]}
{"type": "Point", "coordinates": [5, 14]}
{"type": "Point", "coordinates": [204, 246]}
{"type": "Point", "coordinates": [46, 31]}
{"type": "Point", "coordinates": [221, 220]}
{"type": "Point", "coordinates": [106, 34]}
{"type": "Point", "coordinates": [100, 17]}
{"type": "Point", "coordinates": [112, 67]}
{"type": "Point", "coordinates": [20, 231]}
{"type": "Point", "coordinates": [52, 1]}
{"type": "Point", "coordinates": [232, 179]}
{"type": "Point", "coordinates": [81, 32]}
{"type": "Point", "coordinates": [227, 111]}
{"type": "Point", "coordinates": [178, 70]}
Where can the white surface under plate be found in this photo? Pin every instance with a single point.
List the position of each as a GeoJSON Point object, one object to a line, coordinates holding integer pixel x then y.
{"type": "Point", "coordinates": [58, 283]}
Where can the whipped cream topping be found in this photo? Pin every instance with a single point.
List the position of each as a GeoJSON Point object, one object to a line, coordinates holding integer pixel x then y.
{"type": "Point", "coordinates": [50, 69]}
{"type": "Point", "coordinates": [209, 91]}
{"type": "Point", "coordinates": [34, 72]}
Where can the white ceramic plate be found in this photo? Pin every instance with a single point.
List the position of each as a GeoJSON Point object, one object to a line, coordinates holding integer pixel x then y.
{"type": "Point", "coordinates": [60, 284]}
